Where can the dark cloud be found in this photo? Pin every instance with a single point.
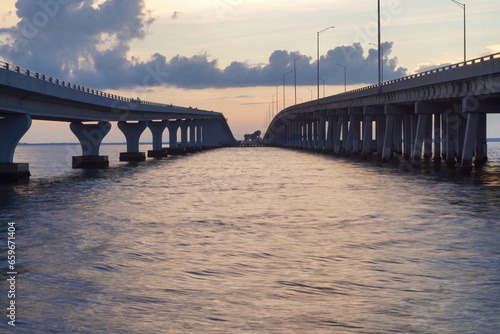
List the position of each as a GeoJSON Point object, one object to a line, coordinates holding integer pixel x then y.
{"type": "Point", "coordinates": [80, 41]}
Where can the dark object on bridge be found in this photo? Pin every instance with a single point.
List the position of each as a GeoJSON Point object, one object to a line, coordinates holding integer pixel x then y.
{"type": "Point", "coordinates": [14, 173]}
{"type": "Point", "coordinates": [91, 161]}
{"type": "Point", "coordinates": [254, 137]}
{"type": "Point", "coordinates": [132, 156]}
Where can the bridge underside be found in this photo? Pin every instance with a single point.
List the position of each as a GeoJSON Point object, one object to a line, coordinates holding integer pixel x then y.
{"type": "Point", "coordinates": [452, 130]}
{"type": "Point", "coordinates": [90, 115]}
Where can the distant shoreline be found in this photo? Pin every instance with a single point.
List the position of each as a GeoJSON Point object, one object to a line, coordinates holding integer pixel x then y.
{"type": "Point", "coordinates": [489, 140]}
{"type": "Point", "coordinates": [42, 144]}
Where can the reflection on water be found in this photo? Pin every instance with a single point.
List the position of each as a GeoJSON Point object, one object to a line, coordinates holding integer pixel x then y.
{"type": "Point", "coordinates": [257, 240]}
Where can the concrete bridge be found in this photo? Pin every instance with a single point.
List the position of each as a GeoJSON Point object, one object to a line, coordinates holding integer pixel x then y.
{"type": "Point", "coordinates": [27, 95]}
{"type": "Point", "coordinates": [440, 114]}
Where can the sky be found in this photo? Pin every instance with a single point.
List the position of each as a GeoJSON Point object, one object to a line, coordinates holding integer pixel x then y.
{"type": "Point", "coordinates": [232, 56]}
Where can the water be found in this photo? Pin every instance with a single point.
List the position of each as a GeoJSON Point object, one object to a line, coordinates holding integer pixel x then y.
{"type": "Point", "coordinates": [254, 240]}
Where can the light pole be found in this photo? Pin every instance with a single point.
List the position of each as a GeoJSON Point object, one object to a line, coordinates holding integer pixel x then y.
{"type": "Point", "coordinates": [462, 5]}
{"type": "Point", "coordinates": [317, 44]}
{"type": "Point", "coordinates": [345, 77]}
{"type": "Point", "coordinates": [379, 51]}
{"type": "Point", "coordinates": [295, 76]}
{"type": "Point", "coordinates": [284, 75]}
{"type": "Point", "coordinates": [380, 64]}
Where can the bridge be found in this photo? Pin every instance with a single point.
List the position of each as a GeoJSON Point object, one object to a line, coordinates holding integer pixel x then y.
{"type": "Point", "coordinates": [439, 114]}
{"type": "Point", "coordinates": [26, 95]}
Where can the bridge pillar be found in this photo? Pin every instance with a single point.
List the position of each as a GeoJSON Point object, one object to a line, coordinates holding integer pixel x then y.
{"type": "Point", "coordinates": [407, 136]}
{"type": "Point", "coordinates": [342, 132]}
{"type": "Point", "coordinates": [354, 143]}
{"type": "Point", "coordinates": [437, 138]}
{"type": "Point", "coordinates": [372, 113]}
{"type": "Point", "coordinates": [132, 132]}
{"type": "Point", "coordinates": [299, 133]}
{"type": "Point", "coordinates": [450, 127]}
{"type": "Point", "coordinates": [173, 147]}
{"type": "Point", "coordinates": [195, 134]}
{"type": "Point", "coordinates": [475, 143]}
{"type": "Point", "coordinates": [323, 118]}
{"type": "Point", "coordinates": [12, 129]}
{"type": "Point", "coordinates": [310, 136]}
{"type": "Point", "coordinates": [367, 135]}
{"type": "Point", "coordinates": [157, 129]}
{"type": "Point", "coordinates": [90, 137]}
{"type": "Point", "coordinates": [388, 149]}
{"type": "Point", "coordinates": [184, 132]}
{"type": "Point", "coordinates": [330, 131]}
{"type": "Point", "coordinates": [380, 133]}
{"type": "Point", "coordinates": [192, 135]}
{"type": "Point", "coordinates": [423, 133]}
{"type": "Point", "coordinates": [199, 134]}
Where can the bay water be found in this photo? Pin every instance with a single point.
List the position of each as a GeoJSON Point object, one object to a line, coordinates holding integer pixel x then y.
{"type": "Point", "coordinates": [251, 240]}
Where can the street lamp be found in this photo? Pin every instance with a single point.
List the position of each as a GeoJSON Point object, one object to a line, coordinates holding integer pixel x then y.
{"type": "Point", "coordinates": [379, 51]}
{"type": "Point", "coordinates": [317, 44]}
{"type": "Point", "coordinates": [345, 77]}
{"type": "Point", "coordinates": [380, 64]}
{"type": "Point", "coordinates": [284, 75]}
{"type": "Point", "coordinates": [462, 5]}
{"type": "Point", "coordinates": [295, 76]}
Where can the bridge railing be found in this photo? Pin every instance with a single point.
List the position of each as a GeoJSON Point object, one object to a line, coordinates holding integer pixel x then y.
{"type": "Point", "coordinates": [55, 81]}
{"type": "Point", "coordinates": [429, 72]}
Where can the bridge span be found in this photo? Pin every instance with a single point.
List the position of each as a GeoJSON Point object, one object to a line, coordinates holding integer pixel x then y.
{"type": "Point", "coordinates": [26, 95]}
{"type": "Point", "coordinates": [439, 114]}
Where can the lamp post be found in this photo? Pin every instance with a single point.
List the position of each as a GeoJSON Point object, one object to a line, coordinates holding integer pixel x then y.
{"type": "Point", "coordinates": [462, 5]}
{"type": "Point", "coordinates": [380, 64]}
{"type": "Point", "coordinates": [379, 51]}
{"type": "Point", "coordinates": [317, 44]}
{"type": "Point", "coordinates": [284, 75]}
{"type": "Point", "coordinates": [295, 76]}
{"type": "Point", "coordinates": [345, 77]}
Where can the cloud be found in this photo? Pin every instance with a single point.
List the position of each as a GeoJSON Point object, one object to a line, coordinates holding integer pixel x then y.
{"type": "Point", "coordinates": [424, 67]}
{"type": "Point", "coordinates": [88, 42]}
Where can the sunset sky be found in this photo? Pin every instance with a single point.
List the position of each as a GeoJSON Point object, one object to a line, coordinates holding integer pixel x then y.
{"type": "Point", "coordinates": [230, 55]}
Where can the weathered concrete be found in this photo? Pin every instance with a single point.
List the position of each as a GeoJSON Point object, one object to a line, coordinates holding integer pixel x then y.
{"type": "Point", "coordinates": [90, 137]}
{"type": "Point", "coordinates": [12, 129]}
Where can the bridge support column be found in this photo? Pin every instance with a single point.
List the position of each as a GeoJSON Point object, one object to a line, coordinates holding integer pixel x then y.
{"type": "Point", "coordinates": [380, 133]}
{"type": "Point", "coordinates": [450, 124]}
{"type": "Point", "coordinates": [475, 143]}
{"type": "Point", "coordinates": [310, 135]}
{"type": "Point", "coordinates": [199, 134]}
{"type": "Point", "coordinates": [330, 132]}
{"type": "Point", "coordinates": [184, 133]}
{"type": "Point", "coordinates": [132, 132]}
{"type": "Point", "coordinates": [388, 149]}
{"type": "Point", "coordinates": [90, 137]}
{"type": "Point", "coordinates": [342, 132]}
{"type": "Point", "coordinates": [322, 132]}
{"type": "Point", "coordinates": [12, 129]}
{"type": "Point", "coordinates": [353, 144]}
{"type": "Point", "coordinates": [481, 153]}
{"type": "Point", "coordinates": [437, 138]}
{"type": "Point", "coordinates": [173, 147]}
{"type": "Point", "coordinates": [157, 129]}
{"type": "Point", "coordinates": [367, 135]}
{"type": "Point", "coordinates": [416, 155]}
{"type": "Point", "coordinates": [470, 141]}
